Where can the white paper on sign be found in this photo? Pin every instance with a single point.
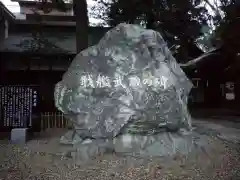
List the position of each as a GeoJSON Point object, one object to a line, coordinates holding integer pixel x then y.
{"type": "Point", "coordinates": [230, 96]}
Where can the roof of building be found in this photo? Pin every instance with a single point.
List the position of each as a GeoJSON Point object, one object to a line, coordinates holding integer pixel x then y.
{"type": "Point", "coordinates": [27, 13]}
{"type": "Point", "coordinates": [5, 12]}
{"type": "Point", "coordinates": [48, 41]}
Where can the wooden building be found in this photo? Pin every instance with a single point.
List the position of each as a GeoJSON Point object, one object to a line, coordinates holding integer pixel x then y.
{"type": "Point", "coordinates": [216, 80]}
{"type": "Point", "coordinates": [38, 52]}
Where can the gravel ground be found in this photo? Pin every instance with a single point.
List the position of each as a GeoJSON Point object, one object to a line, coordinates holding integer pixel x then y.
{"type": "Point", "coordinates": [38, 160]}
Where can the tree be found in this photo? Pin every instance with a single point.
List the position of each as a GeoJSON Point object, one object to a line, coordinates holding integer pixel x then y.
{"type": "Point", "coordinates": [226, 38]}
{"type": "Point", "coordinates": [227, 31]}
{"type": "Point", "coordinates": [82, 22]}
{"type": "Point", "coordinates": [81, 15]}
{"type": "Point", "coordinates": [179, 22]}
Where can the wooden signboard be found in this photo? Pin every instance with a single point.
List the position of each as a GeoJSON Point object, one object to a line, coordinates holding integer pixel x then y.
{"type": "Point", "coordinates": [18, 106]}
{"type": "Point", "coordinates": [230, 94]}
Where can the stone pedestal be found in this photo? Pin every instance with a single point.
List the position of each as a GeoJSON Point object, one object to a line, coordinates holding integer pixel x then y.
{"type": "Point", "coordinates": [19, 135]}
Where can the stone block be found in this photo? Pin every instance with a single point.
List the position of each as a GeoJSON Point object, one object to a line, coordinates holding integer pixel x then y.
{"type": "Point", "coordinates": [19, 135]}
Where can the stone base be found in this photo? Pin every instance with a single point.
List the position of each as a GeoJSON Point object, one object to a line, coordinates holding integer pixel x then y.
{"type": "Point", "coordinates": [19, 135]}
{"type": "Point", "coordinates": [162, 144]}
{"type": "Point", "coordinates": [158, 145]}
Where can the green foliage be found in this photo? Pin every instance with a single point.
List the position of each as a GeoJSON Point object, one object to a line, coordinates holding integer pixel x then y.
{"type": "Point", "coordinates": [180, 22]}
{"type": "Point", "coordinates": [231, 15]}
{"type": "Point", "coordinates": [227, 31]}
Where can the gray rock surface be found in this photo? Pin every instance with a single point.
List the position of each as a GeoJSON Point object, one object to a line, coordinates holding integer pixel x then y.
{"type": "Point", "coordinates": [129, 83]}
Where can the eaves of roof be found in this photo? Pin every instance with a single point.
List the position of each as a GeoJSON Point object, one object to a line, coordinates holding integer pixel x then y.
{"type": "Point", "coordinates": [6, 13]}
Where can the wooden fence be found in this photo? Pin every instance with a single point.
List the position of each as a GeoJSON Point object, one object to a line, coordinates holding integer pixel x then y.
{"type": "Point", "coordinates": [51, 120]}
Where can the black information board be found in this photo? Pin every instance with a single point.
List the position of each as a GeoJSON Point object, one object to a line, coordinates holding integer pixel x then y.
{"type": "Point", "coordinates": [19, 106]}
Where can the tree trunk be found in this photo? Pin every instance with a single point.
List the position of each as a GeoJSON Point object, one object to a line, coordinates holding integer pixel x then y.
{"type": "Point", "coordinates": [150, 21]}
{"type": "Point", "coordinates": [82, 22]}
